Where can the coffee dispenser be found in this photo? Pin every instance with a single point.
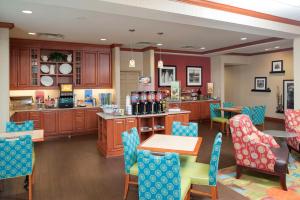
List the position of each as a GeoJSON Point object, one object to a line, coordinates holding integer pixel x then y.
{"type": "Point", "coordinates": [150, 102]}
{"type": "Point", "coordinates": [157, 104]}
{"type": "Point", "coordinates": [143, 103]}
{"type": "Point", "coordinates": [135, 100]}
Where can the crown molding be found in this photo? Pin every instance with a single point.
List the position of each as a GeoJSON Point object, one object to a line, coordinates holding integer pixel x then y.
{"type": "Point", "coordinates": [262, 52]}
{"type": "Point", "coordinates": [6, 25]}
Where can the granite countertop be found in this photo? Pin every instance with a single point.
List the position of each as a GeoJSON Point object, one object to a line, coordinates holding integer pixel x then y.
{"type": "Point", "coordinates": [189, 101]}
{"type": "Point", "coordinates": [34, 108]}
{"type": "Point", "coordinates": [109, 116]}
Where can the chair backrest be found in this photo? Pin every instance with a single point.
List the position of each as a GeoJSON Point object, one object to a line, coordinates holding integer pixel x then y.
{"type": "Point", "coordinates": [159, 176]}
{"type": "Point", "coordinates": [228, 104]}
{"type": "Point", "coordinates": [292, 120]}
{"type": "Point", "coordinates": [15, 157]}
{"type": "Point", "coordinates": [181, 130]}
{"type": "Point", "coordinates": [213, 111]}
{"type": "Point", "coordinates": [214, 160]}
{"type": "Point", "coordinates": [130, 142]}
{"type": "Point", "coordinates": [258, 115]}
{"type": "Point", "coordinates": [16, 127]}
{"type": "Point", "coordinates": [247, 111]}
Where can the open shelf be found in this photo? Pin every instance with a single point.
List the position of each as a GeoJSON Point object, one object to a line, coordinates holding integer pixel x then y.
{"type": "Point", "coordinates": [279, 72]}
{"type": "Point", "coordinates": [267, 90]}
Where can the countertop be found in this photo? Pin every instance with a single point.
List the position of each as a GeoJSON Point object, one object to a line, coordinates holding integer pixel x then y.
{"type": "Point", "coordinates": [34, 108]}
{"type": "Point", "coordinates": [109, 116]}
{"type": "Point", "coordinates": [191, 101]}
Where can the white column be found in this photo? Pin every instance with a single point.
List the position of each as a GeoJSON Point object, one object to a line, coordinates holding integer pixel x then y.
{"type": "Point", "coordinates": [297, 73]}
{"type": "Point", "coordinates": [4, 79]}
{"type": "Point", "coordinates": [149, 65]}
{"type": "Point", "coordinates": [217, 77]}
{"type": "Point", "coordinates": [116, 73]}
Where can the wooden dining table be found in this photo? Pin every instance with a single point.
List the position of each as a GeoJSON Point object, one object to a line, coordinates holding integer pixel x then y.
{"type": "Point", "coordinates": [235, 109]}
{"type": "Point", "coordinates": [170, 143]}
{"type": "Point", "coordinates": [36, 135]}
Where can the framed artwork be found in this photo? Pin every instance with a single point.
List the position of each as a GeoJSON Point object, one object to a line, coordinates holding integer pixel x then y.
{"type": "Point", "coordinates": [260, 83]}
{"type": "Point", "coordinates": [166, 75]}
{"type": "Point", "coordinates": [288, 94]}
{"type": "Point", "coordinates": [277, 66]}
{"type": "Point", "coordinates": [175, 91]}
{"type": "Point", "coordinates": [193, 76]}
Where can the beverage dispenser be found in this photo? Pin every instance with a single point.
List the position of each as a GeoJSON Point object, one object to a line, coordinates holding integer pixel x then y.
{"type": "Point", "coordinates": [150, 102]}
{"type": "Point", "coordinates": [135, 100]}
{"type": "Point", "coordinates": [143, 103]}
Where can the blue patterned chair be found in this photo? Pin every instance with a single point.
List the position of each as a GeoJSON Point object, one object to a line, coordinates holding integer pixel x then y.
{"type": "Point", "coordinates": [16, 159]}
{"type": "Point", "coordinates": [159, 177]}
{"type": "Point", "coordinates": [246, 110]}
{"type": "Point", "coordinates": [130, 142]}
{"type": "Point", "coordinates": [191, 130]}
{"type": "Point", "coordinates": [258, 117]}
{"type": "Point", "coordinates": [205, 174]}
{"type": "Point", "coordinates": [216, 116]}
{"type": "Point", "coordinates": [17, 127]}
{"type": "Point", "coordinates": [227, 115]}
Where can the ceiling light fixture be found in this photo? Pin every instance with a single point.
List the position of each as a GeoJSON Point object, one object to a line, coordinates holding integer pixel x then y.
{"type": "Point", "coordinates": [31, 33]}
{"type": "Point", "coordinates": [277, 47]}
{"type": "Point", "coordinates": [103, 39]}
{"type": "Point", "coordinates": [244, 38]}
{"type": "Point", "coordinates": [131, 61]}
{"type": "Point", "coordinates": [267, 49]}
{"type": "Point", "coordinates": [27, 11]}
{"type": "Point", "coordinates": [160, 63]}
{"type": "Point", "coordinates": [202, 48]}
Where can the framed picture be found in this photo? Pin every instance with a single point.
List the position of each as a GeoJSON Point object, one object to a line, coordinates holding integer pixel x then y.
{"type": "Point", "coordinates": [288, 94]}
{"type": "Point", "coordinates": [260, 83]}
{"type": "Point", "coordinates": [194, 76]}
{"type": "Point", "coordinates": [277, 66]}
{"type": "Point", "coordinates": [175, 91]}
{"type": "Point", "coordinates": [166, 75]}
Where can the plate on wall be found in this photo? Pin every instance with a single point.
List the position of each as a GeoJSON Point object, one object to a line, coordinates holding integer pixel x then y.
{"type": "Point", "coordinates": [45, 69]}
{"type": "Point", "coordinates": [65, 68]}
{"type": "Point", "coordinates": [47, 81]}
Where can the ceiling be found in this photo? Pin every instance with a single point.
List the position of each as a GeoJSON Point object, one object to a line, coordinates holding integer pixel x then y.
{"type": "Point", "coordinates": [89, 26]}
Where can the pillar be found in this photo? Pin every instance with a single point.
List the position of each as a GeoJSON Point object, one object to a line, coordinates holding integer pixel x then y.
{"type": "Point", "coordinates": [296, 73]}
{"type": "Point", "coordinates": [149, 66]}
{"type": "Point", "coordinates": [116, 73]}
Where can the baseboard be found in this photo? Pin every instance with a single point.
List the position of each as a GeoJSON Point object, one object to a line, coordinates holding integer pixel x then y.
{"type": "Point", "coordinates": [273, 119]}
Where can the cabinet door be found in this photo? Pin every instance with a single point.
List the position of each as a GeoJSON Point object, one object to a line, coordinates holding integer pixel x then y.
{"type": "Point", "coordinates": [49, 122]}
{"type": "Point", "coordinates": [91, 121]}
{"type": "Point", "coordinates": [90, 69]}
{"type": "Point", "coordinates": [104, 71]}
{"type": "Point", "coordinates": [24, 71]}
{"type": "Point", "coordinates": [119, 128]}
{"type": "Point", "coordinates": [205, 110]}
{"type": "Point", "coordinates": [13, 68]}
{"type": "Point", "coordinates": [131, 123]}
{"type": "Point", "coordinates": [79, 121]}
{"type": "Point", "coordinates": [65, 121]}
{"type": "Point", "coordinates": [20, 116]}
{"type": "Point", "coordinates": [36, 118]}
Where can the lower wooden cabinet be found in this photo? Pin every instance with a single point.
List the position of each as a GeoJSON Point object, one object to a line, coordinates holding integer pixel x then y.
{"type": "Point", "coordinates": [119, 128]}
{"type": "Point", "coordinates": [79, 120]}
{"type": "Point", "coordinates": [49, 122]}
{"type": "Point", "coordinates": [65, 121]}
{"type": "Point", "coordinates": [35, 117]}
{"type": "Point", "coordinates": [178, 118]}
{"type": "Point", "coordinates": [91, 123]}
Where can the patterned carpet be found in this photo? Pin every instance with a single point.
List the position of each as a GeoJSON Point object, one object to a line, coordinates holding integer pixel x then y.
{"type": "Point", "coordinates": [257, 186]}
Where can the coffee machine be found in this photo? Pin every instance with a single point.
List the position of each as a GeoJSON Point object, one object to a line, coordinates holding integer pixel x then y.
{"type": "Point", "coordinates": [150, 102]}
{"type": "Point", "coordinates": [135, 101]}
{"type": "Point", "coordinates": [157, 104]}
{"type": "Point", "coordinates": [66, 99]}
{"type": "Point", "coordinates": [143, 103]}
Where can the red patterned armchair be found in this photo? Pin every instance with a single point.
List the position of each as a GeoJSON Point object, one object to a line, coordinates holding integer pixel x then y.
{"type": "Point", "coordinates": [256, 150]}
{"type": "Point", "coordinates": [292, 124]}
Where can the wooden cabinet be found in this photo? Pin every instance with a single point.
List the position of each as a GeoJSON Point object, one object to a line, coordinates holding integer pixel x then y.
{"type": "Point", "coordinates": [119, 128]}
{"type": "Point", "coordinates": [79, 120]}
{"type": "Point", "coordinates": [65, 121]}
{"type": "Point", "coordinates": [131, 123]}
{"type": "Point", "coordinates": [35, 117]}
{"type": "Point", "coordinates": [91, 123]}
{"type": "Point", "coordinates": [49, 122]}
{"type": "Point", "coordinates": [24, 71]}
{"type": "Point", "coordinates": [20, 116]}
{"type": "Point", "coordinates": [13, 70]}
{"type": "Point", "coordinates": [90, 69]}
{"type": "Point", "coordinates": [104, 71]}
{"type": "Point", "coordinates": [177, 118]}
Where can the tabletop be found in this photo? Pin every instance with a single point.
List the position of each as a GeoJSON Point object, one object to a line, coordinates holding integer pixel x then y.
{"type": "Point", "coordinates": [170, 143]}
{"type": "Point", "coordinates": [236, 109]}
{"type": "Point", "coordinates": [282, 134]}
{"type": "Point", "coordinates": [37, 135]}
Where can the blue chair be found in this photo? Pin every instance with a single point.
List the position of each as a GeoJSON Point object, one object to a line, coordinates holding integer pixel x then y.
{"type": "Point", "coordinates": [16, 159]}
{"type": "Point", "coordinates": [130, 142]}
{"type": "Point", "coordinates": [159, 177]}
{"type": "Point", "coordinates": [215, 116]}
{"type": "Point", "coordinates": [258, 117]}
{"type": "Point", "coordinates": [246, 110]}
{"type": "Point", "coordinates": [17, 127]}
{"type": "Point", "coordinates": [228, 115]}
{"type": "Point", "coordinates": [204, 174]}
{"type": "Point", "coordinates": [191, 130]}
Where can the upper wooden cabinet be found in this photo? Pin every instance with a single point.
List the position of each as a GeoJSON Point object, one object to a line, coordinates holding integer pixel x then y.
{"type": "Point", "coordinates": [104, 70]}
{"type": "Point", "coordinates": [90, 69]}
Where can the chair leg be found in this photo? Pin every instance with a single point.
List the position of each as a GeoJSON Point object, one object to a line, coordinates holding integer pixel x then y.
{"type": "Point", "coordinates": [188, 195]}
{"type": "Point", "coordinates": [223, 127]}
{"type": "Point", "coordinates": [211, 124]}
{"type": "Point", "coordinates": [1, 185]}
{"type": "Point", "coordinates": [30, 187]}
{"type": "Point", "coordinates": [282, 178]}
{"type": "Point", "coordinates": [126, 185]}
{"type": "Point", "coordinates": [238, 172]}
{"type": "Point", "coordinates": [263, 126]}
{"type": "Point", "coordinates": [227, 130]}
{"type": "Point", "coordinates": [214, 192]}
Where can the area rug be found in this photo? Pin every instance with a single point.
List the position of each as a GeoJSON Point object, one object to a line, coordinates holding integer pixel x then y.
{"type": "Point", "coordinates": [257, 186]}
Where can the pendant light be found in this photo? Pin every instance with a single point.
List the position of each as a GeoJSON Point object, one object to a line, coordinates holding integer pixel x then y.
{"type": "Point", "coordinates": [131, 61]}
{"type": "Point", "coordinates": [160, 63]}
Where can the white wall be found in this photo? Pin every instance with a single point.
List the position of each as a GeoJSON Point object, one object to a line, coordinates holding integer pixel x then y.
{"type": "Point", "coordinates": [4, 80]}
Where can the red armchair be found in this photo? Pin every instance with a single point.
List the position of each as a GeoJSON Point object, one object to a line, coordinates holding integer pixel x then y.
{"type": "Point", "coordinates": [292, 125]}
{"type": "Point", "coordinates": [257, 151]}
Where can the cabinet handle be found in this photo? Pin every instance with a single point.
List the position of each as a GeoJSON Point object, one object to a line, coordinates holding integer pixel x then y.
{"type": "Point", "coordinates": [119, 122]}
{"type": "Point", "coordinates": [131, 121]}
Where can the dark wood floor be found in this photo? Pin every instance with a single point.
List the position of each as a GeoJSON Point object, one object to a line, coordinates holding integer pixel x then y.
{"type": "Point", "coordinates": [72, 169]}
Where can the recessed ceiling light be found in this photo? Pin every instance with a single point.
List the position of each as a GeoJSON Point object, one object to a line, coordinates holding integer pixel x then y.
{"type": "Point", "coordinates": [277, 47]}
{"type": "Point", "coordinates": [27, 11]}
{"type": "Point", "coordinates": [267, 49]}
{"type": "Point", "coordinates": [244, 38]}
{"type": "Point", "coordinates": [159, 44]}
{"type": "Point", "coordinates": [103, 39]}
{"type": "Point", "coordinates": [31, 33]}
{"type": "Point", "coordinates": [202, 48]}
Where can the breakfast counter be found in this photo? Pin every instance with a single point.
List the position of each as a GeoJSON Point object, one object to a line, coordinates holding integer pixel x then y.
{"type": "Point", "coordinates": [110, 128]}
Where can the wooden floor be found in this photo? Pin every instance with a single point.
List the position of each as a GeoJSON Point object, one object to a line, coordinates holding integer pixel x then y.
{"type": "Point", "coordinates": [72, 169]}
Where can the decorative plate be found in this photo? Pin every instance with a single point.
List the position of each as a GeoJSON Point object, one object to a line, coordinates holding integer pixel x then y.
{"type": "Point", "coordinates": [47, 81]}
{"type": "Point", "coordinates": [45, 69]}
{"type": "Point", "coordinates": [65, 68]}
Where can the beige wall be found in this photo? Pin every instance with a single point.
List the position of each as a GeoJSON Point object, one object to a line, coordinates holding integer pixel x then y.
{"type": "Point", "coordinates": [297, 72]}
{"type": "Point", "coordinates": [125, 56]}
{"type": "Point", "coordinates": [239, 80]}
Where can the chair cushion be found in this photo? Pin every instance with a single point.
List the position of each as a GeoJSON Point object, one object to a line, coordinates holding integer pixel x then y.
{"type": "Point", "coordinates": [197, 172]}
{"type": "Point", "coordinates": [220, 119]}
{"type": "Point", "coordinates": [134, 169]}
{"type": "Point", "coordinates": [185, 186]}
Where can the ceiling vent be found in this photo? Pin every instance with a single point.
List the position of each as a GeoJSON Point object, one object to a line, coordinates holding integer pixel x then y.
{"type": "Point", "coordinates": [188, 47]}
{"type": "Point", "coordinates": [51, 35]}
{"type": "Point", "coordinates": [145, 43]}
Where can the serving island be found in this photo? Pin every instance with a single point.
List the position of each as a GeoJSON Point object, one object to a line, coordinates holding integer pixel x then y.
{"type": "Point", "coordinates": [110, 128]}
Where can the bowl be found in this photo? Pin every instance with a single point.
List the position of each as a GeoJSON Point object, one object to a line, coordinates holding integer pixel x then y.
{"type": "Point", "coordinates": [109, 109]}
